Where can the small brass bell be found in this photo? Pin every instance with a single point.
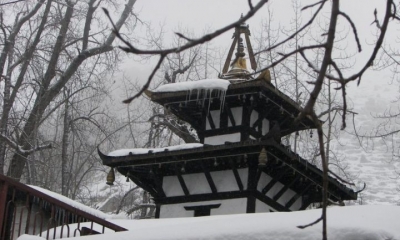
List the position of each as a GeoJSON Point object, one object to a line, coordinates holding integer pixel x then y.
{"type": "Point", "coordinates": [262, 158]}
{"type": "Point", "coordinates": [110, 177]}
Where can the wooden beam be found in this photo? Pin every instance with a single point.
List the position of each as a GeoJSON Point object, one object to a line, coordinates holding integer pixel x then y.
{"type": "Point", "coordinates": [210, 121]}
{"type": "Point", "coordinates": [285, 188]}
{"type": "Point", "coordinates": [230, 115]}
{"type": "Point", "coordinates": [3, 205]}
{"type": "Point", "coordinates": [252, 187]}
{"type": "Point", "coordinates": [270, 202]}
{"type": "Point", "coordinates": [236, 174]}
{"type": "Point", "coordinates": [297, 196]}
{"type": "Point", "coordinates": [269, 186]}
{"type": "Point", "coordinates": [157, 213]}
{"type": "Point", "coordinates": [181, 181]}
{"type": "Point", "coordinates": [158, 180]}
{"type": "Point", "coordinates": [204, 197]}
{"type": "Point", "coordinates": [202, 210]}
{"type": "Point", "coordinates": [209, 178]}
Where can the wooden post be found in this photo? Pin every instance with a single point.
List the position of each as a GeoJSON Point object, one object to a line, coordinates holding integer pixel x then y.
{"type": "Point", "coordinates": [3, 203]}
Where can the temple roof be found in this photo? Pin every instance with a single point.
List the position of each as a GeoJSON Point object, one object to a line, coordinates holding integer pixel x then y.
{"type": "Point", "coordinates": [182, 99]}
{"type": "Point", "coordinates": [282, 161]}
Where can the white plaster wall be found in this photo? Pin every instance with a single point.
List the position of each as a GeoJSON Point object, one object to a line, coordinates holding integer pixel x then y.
{"type": "Point", "coordinates": [237, 113]}
{"type": "Point", "coordinates": [262, 207]}
{"type": "Point", "coordinates": [229, 206]}
{"type": "Point", "coordinates": [196, 183]}
{"type": "Point", "coordinates": [265, 126]}
{"type": "Point", "coordinates": [274, 190]}
{"type": "Point", "coordinates": [244, 175]}
{"type": "Point", "coordinates": [172, 187]}
{"type": "Point", "coordinates": [225, 181]}
{"type": "Point", "coordinates": [215, 115]}
{"type": "Point", "coordinates": [297, 204]}
{"type": "Point", "coordinates": [286, 196]}
{"type": "Point", "coordinates": [253, 117]}
{"type": "Point", "coordinates": [221, 139]}
{"type": "Point", "coordinates": [264, 180]}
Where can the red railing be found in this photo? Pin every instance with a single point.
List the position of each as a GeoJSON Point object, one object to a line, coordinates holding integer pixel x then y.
{"type": "Point", "coordinates": [25, 210]}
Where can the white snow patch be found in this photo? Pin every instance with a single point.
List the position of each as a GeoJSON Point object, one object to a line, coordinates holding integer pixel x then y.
{"type": "Point", "coordinates": [354, 222]}
{"type": "Point", "coordinates": [205, 84]}
{"type": "Point", "coordinates": [125, 152]}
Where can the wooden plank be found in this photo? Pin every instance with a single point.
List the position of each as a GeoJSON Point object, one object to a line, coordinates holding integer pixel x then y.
{"type": "Point", "coordinates": [3, 203]}
{"type": "Point", "coordinates": [252, 187]}
{"type": "Point", "coordinates": [269, 186]}
{"type": "Point", "coordinates": [211, 121]}
{"type": "Point", "coordinates": [230, 115]}
{"type": "Point", "coordinates": [270, 202]}
{"type": "Point", "coordinates": [209, 179]}
{"type": "Point", "coordinates": [204, 197]}
{"type": "Point", "coordinates": [236, 174]}
{"type": "Point", "coordinates": [181, 181]}
{"type": "Point", "coordinates": [297, 196]}
{"type": "Point", "coordinates": [285, 188]}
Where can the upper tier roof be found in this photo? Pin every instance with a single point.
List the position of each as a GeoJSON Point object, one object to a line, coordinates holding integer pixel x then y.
{"type": "Point", "coordinates": [187, 100]}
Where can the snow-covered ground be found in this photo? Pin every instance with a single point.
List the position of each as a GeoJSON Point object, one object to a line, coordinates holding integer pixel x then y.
{"type": "Point", "coordinates": [347, 223]}
{"type": "Point", "coordinates": [372, 164]}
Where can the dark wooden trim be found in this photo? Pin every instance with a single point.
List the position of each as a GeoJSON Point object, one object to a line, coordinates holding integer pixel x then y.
{"type": "Point", "coordinates": [203, 197]}
{"type": "Point", "coordinates": [236, 174]}
{"type": "Point", "coordinates": [271, 202]}
{"type": "Point", "coordinates": [202, 210]}
{"type": "Point", "coordinates": [285, 188]}
{"type": "Point", "coordinates": [246, 112]}
{"type": "Point", "coordinates": [209, 178]}
{"type": "Point", "coordinates": [230, 115]}
{"type": "Point", "coordinates": [223, 117]}
{"type": "Point", "coordinates": [210, 121]}
{"type": "Point", "coordinates": [181, 181]}
{"type": "Point", "coordinates": [222, 131]}
{"type": "Point", "coordinates": [252, 187]}
{"type": "Point", "coordinates": [157, 213]}
{"type": "Point", "coordinates": [269, 185]}
{"type": "Point", "coordinates": [297, 196]}
{"type": "Point", "coordinates": [3, 203]}
{"type": "Point", "coordinates": [158, 180]}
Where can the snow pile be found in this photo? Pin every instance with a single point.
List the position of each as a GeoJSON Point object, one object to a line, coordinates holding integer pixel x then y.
{"type": "Point", "coordinates": [354, 222]}
{"type": "Point", "coordinates": [72, 203]}
{"type": "Point", "coordinates": [206, 84]}
{"type": "Point", "coordinates": [125, 152]}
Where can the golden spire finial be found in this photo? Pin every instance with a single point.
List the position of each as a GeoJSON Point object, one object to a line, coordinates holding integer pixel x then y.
{"type": "Point", "coordinates": [239, 66]}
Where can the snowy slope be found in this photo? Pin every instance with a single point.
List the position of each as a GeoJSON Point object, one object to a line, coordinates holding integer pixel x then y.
{"type": "Point", "coordinates": [355, 222]}
{"type": "Point", "coordinates": [373, 163]}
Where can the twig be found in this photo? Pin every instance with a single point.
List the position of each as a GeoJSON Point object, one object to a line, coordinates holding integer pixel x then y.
{"type": "Point", "coordinates": [310, 224]}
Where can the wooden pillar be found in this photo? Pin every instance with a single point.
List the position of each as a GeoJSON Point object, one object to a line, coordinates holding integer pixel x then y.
{"type": "Point", "coordinates": [252, 187]}
{"type": "Point", "coordinates": [3, 203]}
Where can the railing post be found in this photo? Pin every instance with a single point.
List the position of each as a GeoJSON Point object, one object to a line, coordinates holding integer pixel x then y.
{"type": "Point", "coordinates": [3, 202]}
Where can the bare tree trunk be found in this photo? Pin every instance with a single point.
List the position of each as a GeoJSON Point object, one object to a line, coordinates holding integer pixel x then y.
{"type": "Point", "coordinates": [48, 92]}
{"type": "Point", "coordinates": [64, 149]}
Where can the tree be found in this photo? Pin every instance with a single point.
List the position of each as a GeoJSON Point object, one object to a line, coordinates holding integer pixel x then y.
{"type": "Point", "coordinates": [50, 45]}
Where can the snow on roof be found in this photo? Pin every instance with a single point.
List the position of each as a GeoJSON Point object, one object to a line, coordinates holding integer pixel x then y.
{"type": "Point", "coordinates": [208, 84]}
{"type": "Point", "coordinates": [353, 222]}
{"type": "Point", "coordinates": [125, 152]}
{"type": "Point", "coordinates": [72, 203]}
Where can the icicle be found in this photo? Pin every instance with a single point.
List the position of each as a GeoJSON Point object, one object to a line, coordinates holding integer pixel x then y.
{"type": "Point", "coordinates": [222, 98]}
{"type": "Point", "coordinates": [209, 102]}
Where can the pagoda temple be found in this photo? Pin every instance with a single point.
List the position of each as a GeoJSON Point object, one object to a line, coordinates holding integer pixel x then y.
{"type": "Point", "coordinates": [240, 164]}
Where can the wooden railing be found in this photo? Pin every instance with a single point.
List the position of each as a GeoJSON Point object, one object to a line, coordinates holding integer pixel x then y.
{"type": "Point", "coordinates": [25, 210]}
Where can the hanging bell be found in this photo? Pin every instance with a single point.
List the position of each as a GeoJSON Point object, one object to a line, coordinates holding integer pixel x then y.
{"type": "Point", "coordinates": [262, 158]}
{"type": "Point", "coordinates": [110, 177]}
{"type": "Point", "coordinates": [311, 133]}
